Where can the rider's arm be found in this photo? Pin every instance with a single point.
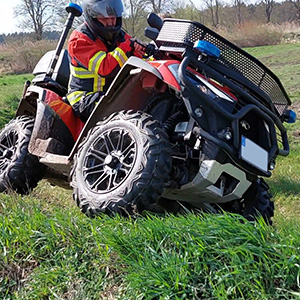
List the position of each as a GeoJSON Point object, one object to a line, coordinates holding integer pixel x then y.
{"type": "Point", "coordinates": [93, 55]}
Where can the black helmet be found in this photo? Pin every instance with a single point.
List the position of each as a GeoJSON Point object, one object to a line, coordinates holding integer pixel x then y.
{"type": "Point", "coordinates": [94, 9]}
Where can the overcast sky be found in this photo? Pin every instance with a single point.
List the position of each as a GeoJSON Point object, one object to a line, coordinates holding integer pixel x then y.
{"type": "Point", "coordinates": [7, 22]}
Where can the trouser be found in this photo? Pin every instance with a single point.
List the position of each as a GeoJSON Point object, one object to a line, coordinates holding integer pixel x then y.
{"type": "Point", "coordinates": [86, 105]}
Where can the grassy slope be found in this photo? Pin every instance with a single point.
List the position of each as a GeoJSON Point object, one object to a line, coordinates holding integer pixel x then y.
{"type": "Point", "coordinates": [11, 87]}
{"type": "Point", "coordinates": [284, 61]}
{"type": "Point", "coordinates": [49, 250]}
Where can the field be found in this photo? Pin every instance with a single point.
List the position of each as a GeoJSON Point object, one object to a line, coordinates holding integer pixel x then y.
{"type": "Point", "coordinates": [49, 250]}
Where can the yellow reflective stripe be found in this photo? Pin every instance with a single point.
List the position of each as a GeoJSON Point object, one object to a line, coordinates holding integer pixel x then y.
{"type": "Point", "coordinates": [95, 61]}
{"type": "Point", "coordinates": [120, 56]}
{"type": "Point", "coordinates": [81, 72]}
{"type": "Point", "coordinates": [99, 83]}
{"type": "Point", "coordinates": [75, 97]}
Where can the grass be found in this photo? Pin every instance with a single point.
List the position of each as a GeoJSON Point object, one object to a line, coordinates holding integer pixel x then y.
{"type": "Point", "coordinates": [54, 252]}
{"type": "Point", "coordinates": [284, 62]}
{"type": "Point", "coordinates": [11, 87]}
{"type": "Point", "coordinates": [49, 250]}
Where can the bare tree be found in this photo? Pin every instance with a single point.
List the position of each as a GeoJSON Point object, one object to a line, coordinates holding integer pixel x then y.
{"type": "Point", "coordinates": [37, 15]}
{"type": "Point", "coordinates": [214, 7]}
{"type": "Point", "coordinates": [160, 6]}
{"type": "Point", "coordinates": [269, 6]}
{"type": "Point", "coordinates": [135, 17]}
{"type": "Point", "coordinates": [238, 10]}
{"type": "Point", "coordinates": [296, 5]}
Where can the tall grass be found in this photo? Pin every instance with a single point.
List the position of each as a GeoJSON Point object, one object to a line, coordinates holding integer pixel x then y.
{"type": "Point", "coordinates": [52, 253]}
{"type": "Point", "coordinates": [21, 57]}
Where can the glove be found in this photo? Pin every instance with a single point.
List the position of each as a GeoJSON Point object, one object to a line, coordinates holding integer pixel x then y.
{"type": "Point", "coordinates": [139, 49]}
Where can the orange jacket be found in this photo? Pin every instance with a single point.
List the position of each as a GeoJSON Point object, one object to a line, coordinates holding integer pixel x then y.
{"type": "Point", "coordinates": [94, 64]}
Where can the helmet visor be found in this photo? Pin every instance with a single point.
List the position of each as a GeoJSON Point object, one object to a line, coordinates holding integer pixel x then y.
{"type": "Point", "coordinates": [105, 9]}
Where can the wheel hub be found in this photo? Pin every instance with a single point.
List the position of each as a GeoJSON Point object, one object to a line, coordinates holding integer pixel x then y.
{"type": "Point", "coordinates": [112, 161]}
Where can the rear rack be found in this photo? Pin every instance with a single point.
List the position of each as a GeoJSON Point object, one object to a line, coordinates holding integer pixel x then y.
{"type": "Point", "coordinates": [182, 34]}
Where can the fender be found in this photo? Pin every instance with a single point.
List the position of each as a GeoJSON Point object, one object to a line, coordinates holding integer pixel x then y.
{"type": "Point", "coordinates": [143, 79]}
{"type": "Point", "coordinates": [56, 127]}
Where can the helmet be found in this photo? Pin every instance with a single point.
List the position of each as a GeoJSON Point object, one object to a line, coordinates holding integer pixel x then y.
{"type": "Point", "coordinates": [94, 9]}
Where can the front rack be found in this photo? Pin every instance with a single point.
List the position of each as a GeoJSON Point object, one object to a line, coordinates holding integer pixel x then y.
{"type": "Point", "coordinates": [183, 34]}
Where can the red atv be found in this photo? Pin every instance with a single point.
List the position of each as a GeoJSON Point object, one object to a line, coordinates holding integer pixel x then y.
{"type": "Point", "coordinates": [201, 124]}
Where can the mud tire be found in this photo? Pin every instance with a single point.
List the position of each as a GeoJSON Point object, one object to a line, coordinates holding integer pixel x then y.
{"type": "Point", "coordinates": [258, 202]}
{"type": "Point", "coordinates": [19, 170]}
{"type": "Point", "coordinates": [134, 179]}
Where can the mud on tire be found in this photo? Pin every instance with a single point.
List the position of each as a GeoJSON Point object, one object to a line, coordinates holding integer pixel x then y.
{"type": "Point", "coordinates": [122, 165]}
{"type": "Point", "coordinates": [19, 170]}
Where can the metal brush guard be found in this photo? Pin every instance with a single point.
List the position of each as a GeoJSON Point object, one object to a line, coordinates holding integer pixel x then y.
{"type": "Point", "coordinates": [182, 34]}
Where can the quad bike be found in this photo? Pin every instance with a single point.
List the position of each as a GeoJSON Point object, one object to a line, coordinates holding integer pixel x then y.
{"type": "Point", "coordinates": [201, 124]}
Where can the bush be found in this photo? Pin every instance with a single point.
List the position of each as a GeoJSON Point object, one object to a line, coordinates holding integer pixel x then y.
{"type": "Point", "coordinates": [21, 57]}
{"type": "Point", "coordinates": [253, 34]}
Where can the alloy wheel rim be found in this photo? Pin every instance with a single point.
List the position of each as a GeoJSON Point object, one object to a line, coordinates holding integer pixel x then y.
{"type": "Point", "coordinates": [109, 160]}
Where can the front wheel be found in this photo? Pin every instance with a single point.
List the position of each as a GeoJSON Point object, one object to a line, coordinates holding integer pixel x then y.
{"type": "Point", "coordinates": [19, 170]}
{"type": "Point", "coordinates": [122, 165]}
{"type": "Point", "coordinates": [258, 202]}
{"type": "Point", "coordinates": [255, 202]}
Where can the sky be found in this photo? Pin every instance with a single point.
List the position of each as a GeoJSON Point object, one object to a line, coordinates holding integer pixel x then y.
{"type": "Point", "coordinates": [7, 20]}
{"type": "Point", "coordinates": [8, 24]}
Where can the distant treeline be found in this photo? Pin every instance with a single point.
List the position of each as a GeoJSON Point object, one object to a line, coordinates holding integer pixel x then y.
{"type": "Point", "coordinates": [11, 37]}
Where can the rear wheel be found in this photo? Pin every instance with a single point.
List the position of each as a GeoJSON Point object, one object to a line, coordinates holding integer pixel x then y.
{"type": "Point", "coordinates": [19, 170]}
{"type": "Point", "coordinates": [122, 166]}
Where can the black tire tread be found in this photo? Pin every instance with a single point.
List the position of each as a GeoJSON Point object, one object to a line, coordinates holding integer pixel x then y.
{"type": "Point", "coordinates": [24, 171]}
{"type": "Point", "coordinates": [148, 183]}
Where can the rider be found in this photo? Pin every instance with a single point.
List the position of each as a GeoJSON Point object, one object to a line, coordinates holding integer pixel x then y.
{"type": "Point", "coordinates": [98, 49]}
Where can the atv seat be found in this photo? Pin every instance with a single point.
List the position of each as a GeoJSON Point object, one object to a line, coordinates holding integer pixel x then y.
{"type": "Point", "coordinates": [61, 72]}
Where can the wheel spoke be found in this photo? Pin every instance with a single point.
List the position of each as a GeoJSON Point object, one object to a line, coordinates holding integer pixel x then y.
{"type": "Point", "coordinates": [126, 171]}
{"type": "Point", "coordinates": [3, 163]}
{"type": "Point", "coordinates": [93, 170]}
{"type": "Point", "coordinates": [106, 144]}
{"type": "Point", "coordinates": [128, 149]}
{"type": "Point", "coordinates": [120, 141]}
{"type": "Point", "coordinates": [110, 181]}
{"type": "Point", "coordinates": [9, 140]}
{"type": "Point", "coordinates": [110, 141]}
{"type": "Point", "coordinates": [127, 165]}
{"type": "Point", "coordinates": [99, 180]}
{"type": "Point", "coordinates": [97, 154]}
{"type": "Point", "coordinates": [3, 147]}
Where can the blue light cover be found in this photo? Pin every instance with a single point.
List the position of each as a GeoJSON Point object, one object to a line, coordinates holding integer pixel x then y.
{"type": "Point", "coordinates": [75, 6]}
{"type": "Point", "coordinates": [207, 48]}
{"type": "Point", "coordinates": [292, 117]}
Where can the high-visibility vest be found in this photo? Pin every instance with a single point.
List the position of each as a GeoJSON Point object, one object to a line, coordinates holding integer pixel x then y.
{"type": "Point", "coordinates": [93, 65]}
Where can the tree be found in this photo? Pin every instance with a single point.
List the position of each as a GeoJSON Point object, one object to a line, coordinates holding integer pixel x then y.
{"type": "Point", "coordinates": [37, 15]}
{"type": "Point", "coordinates": [160, 6]}
{"type": "Point", "coordinates": [214, 7]}
{"type": "Point", "coordinates": [237, 4]}
{"type": "Point", "coordinates": [134, 20]}
{"type": "Point", "coordinates": [269, 5]}
{"type": "Point", "coordinates": [296, 5]}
